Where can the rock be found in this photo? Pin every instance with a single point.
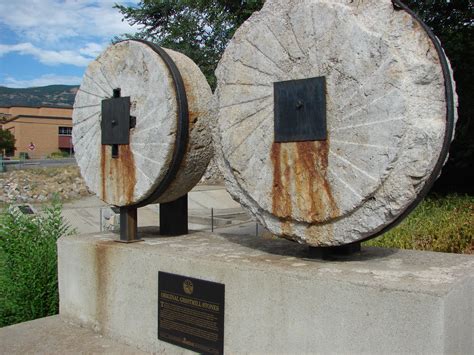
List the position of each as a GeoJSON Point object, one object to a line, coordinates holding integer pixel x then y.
{"type": "Point", "coordinates": [212, 175]}
{"type": "Point", "coordinates": [140, 72]}
{"type": "Point", "coordinates": [28, 185]}
{"type": "Point", "coordinates": [386, 111]}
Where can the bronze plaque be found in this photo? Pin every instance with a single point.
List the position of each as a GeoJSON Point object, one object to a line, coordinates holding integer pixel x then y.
{"type": "Point", "coordinates": [191, 313]}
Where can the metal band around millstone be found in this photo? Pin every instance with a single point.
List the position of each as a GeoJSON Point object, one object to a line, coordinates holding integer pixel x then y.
{"type": "Point", "coordinates": [449, 96]}
{"type": "Point", "coordinates": [182, 132]}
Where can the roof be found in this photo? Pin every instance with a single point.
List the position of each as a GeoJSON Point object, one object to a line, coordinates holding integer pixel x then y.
{"type": "Point", "coordinates": [34, 116]}
{"type": "Point", "coordinates": [41, 112]}
{"type": "Point", "coordinates": [42, 106]}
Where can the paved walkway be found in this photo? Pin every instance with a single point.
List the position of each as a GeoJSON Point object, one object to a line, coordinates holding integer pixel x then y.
{"type": "Point", "coordinates": [204, 201]}
{"type": "Point", "coordinates": [52, 335]}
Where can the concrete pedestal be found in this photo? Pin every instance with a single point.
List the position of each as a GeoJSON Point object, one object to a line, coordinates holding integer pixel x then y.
{"type": "Point", "coordinates": [277, 299]}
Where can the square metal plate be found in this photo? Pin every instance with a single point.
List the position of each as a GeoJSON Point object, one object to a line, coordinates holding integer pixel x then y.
{"type": "Point", "coordinates": [115, 123]}
{"type": "Point", "coordinates": [300, 110]}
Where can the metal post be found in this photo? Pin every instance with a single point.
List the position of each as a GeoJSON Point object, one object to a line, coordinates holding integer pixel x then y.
{"type": "Point", "coordinates": [256, 229]}
{"type": "Point", "coordinates": [100, 220]}
{"type": "Point", "coordinates": [128, 225]}
{"type": "Point", "coordinates": [212, 219]}
{"type": "Point", "coordinates": [174, 217]}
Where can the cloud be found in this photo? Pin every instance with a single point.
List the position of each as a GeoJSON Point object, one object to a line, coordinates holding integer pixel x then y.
{"type": "Point", "coordinates": [91, 50]}
{"type": "Point", "coordinates": [47, 79]}
{"type": "Point", "coordinates": [79, 58]}
{"type": "Point", "coordinates": [52, 21]}
{"type": "Point", "coordinates": [57, 33]}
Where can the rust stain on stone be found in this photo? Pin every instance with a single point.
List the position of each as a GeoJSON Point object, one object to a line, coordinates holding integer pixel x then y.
{"type": "Point", "coordinates": [300, 186]}
{"type": "Point", "coordinates": [281, 197]}
{"type": "Point", "coordinates": [102, 275]}
{"type": "Point", "coordinates": [103, 191]}
{"type": "Point", "coordinates": [314, 196]}
{"type": "Point", "coordinates": [118, 176]}
{"type": "Point", "coordinates": [193, 115]}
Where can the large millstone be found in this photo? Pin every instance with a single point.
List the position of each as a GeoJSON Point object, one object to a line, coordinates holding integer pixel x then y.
{"type": "Point", "coordinates": [389, 110]}
{"type": "Point", "coordinates": [144, 166]}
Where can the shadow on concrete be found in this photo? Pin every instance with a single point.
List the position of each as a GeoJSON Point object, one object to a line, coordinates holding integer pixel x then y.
{"type": "Point", "coordinates": [288, 248]}
{"type": "Point", "coordinates": [153, 232]}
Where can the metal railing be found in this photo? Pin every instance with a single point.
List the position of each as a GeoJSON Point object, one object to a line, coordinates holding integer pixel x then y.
{"type": "Point", "coordinates": [211, 220]}
{"type": "Point", "coordinates": [19, 164]}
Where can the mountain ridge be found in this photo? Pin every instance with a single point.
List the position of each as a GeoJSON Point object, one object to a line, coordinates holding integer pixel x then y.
{"type": "Point", "coordinates": [50, 95]}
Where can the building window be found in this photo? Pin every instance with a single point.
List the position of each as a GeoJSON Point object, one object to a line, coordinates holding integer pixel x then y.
{"type": "Point", "coordinates": [65, 131]}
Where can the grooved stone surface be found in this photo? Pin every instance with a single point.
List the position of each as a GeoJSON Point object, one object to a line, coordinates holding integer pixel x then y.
{"type": "Point", "coordinates": [141, 74]}
{"type": "Point", "coordinates": [386, 117]}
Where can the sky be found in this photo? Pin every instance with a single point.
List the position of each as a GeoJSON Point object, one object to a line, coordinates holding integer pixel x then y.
{"type": "Point", "coordinates": [46, 42]}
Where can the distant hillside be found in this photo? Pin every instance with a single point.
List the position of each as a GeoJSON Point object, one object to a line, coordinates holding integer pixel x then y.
{"type": "Point", "coordinates": [52, 95]}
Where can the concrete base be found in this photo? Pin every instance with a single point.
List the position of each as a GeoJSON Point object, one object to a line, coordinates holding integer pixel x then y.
{"type": "Point", "coordinates": [277, 299]}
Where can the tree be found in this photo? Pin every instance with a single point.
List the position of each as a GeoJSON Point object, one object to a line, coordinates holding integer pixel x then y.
{"type": "Point", "coordinates": [201, 29]}
{"type": "Point", "coordinates": [198, 28]}
{"type": "Point", "coordinates": [453, 22]}
{"type": "Point", "coordinates": [7, 141]}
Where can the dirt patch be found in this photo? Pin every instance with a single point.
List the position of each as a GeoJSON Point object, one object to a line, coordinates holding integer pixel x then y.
{"type": "Point", "coordinates": [41, 185]}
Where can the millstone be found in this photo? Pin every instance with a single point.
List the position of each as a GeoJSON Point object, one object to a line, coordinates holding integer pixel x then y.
{"type": "Point", "coordinates": [390, 111]}
{"type": "Point", "coordinates": [143, 167]}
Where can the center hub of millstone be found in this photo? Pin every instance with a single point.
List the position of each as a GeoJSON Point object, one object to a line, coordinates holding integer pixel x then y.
{"type": "Point", "coordinates": [116, 121]}
{"type": "Point", "coordinates": [347, 152]}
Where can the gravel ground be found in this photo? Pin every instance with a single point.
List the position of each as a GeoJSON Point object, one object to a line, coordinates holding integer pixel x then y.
{"type": "Point", "coordinates": [40, 185]}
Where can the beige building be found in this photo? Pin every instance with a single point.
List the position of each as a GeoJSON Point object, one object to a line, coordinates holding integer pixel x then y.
{"type": "Point", "coordinates": [39, 131]}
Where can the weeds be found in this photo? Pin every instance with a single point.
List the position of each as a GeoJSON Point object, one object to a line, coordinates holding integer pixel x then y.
{"type": "Point", "coordinates": [28, 263]}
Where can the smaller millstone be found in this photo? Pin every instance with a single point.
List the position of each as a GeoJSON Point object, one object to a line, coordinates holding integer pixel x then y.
{"type": "Point", "coordinates": [143, 75]}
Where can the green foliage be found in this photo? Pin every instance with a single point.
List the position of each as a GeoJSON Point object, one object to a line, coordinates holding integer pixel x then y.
{"type": "Point", "coordinates": [198, 28]}
{"type": "Point", "coordinates": [453, 22]}
{"type": "Point", "coordinates": [24, 156]}
{"type": "Point", "coordinates": [7, 141]}
{"type": "Point", "coordinates": [28, 263]}
{"type": "Point", "coordinates": [59, 155]}
{"type": "Point", "coordinates": [438, 224]}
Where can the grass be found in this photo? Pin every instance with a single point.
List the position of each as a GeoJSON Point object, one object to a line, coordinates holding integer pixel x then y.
{"type": "Point", "coordinates": [59, 155]}
{"type": "Point", "coordinates": [442, 224]}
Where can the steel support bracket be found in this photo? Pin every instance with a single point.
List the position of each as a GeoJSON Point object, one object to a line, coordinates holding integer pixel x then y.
{"type": "Point", "coordinates": [174, 217]}
{"type": "Point", "coordinates": [128, 225]}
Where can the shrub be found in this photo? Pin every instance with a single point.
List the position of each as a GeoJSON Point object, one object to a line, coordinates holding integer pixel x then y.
{"type": "Point", "coordinates": [443, 224]}
{"type": "Point", "coordinates": [24, 156]}
{"type": "Point", "coordinates": [59, 155]}
{"type": "Point", "coordinates": [28, 263]}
